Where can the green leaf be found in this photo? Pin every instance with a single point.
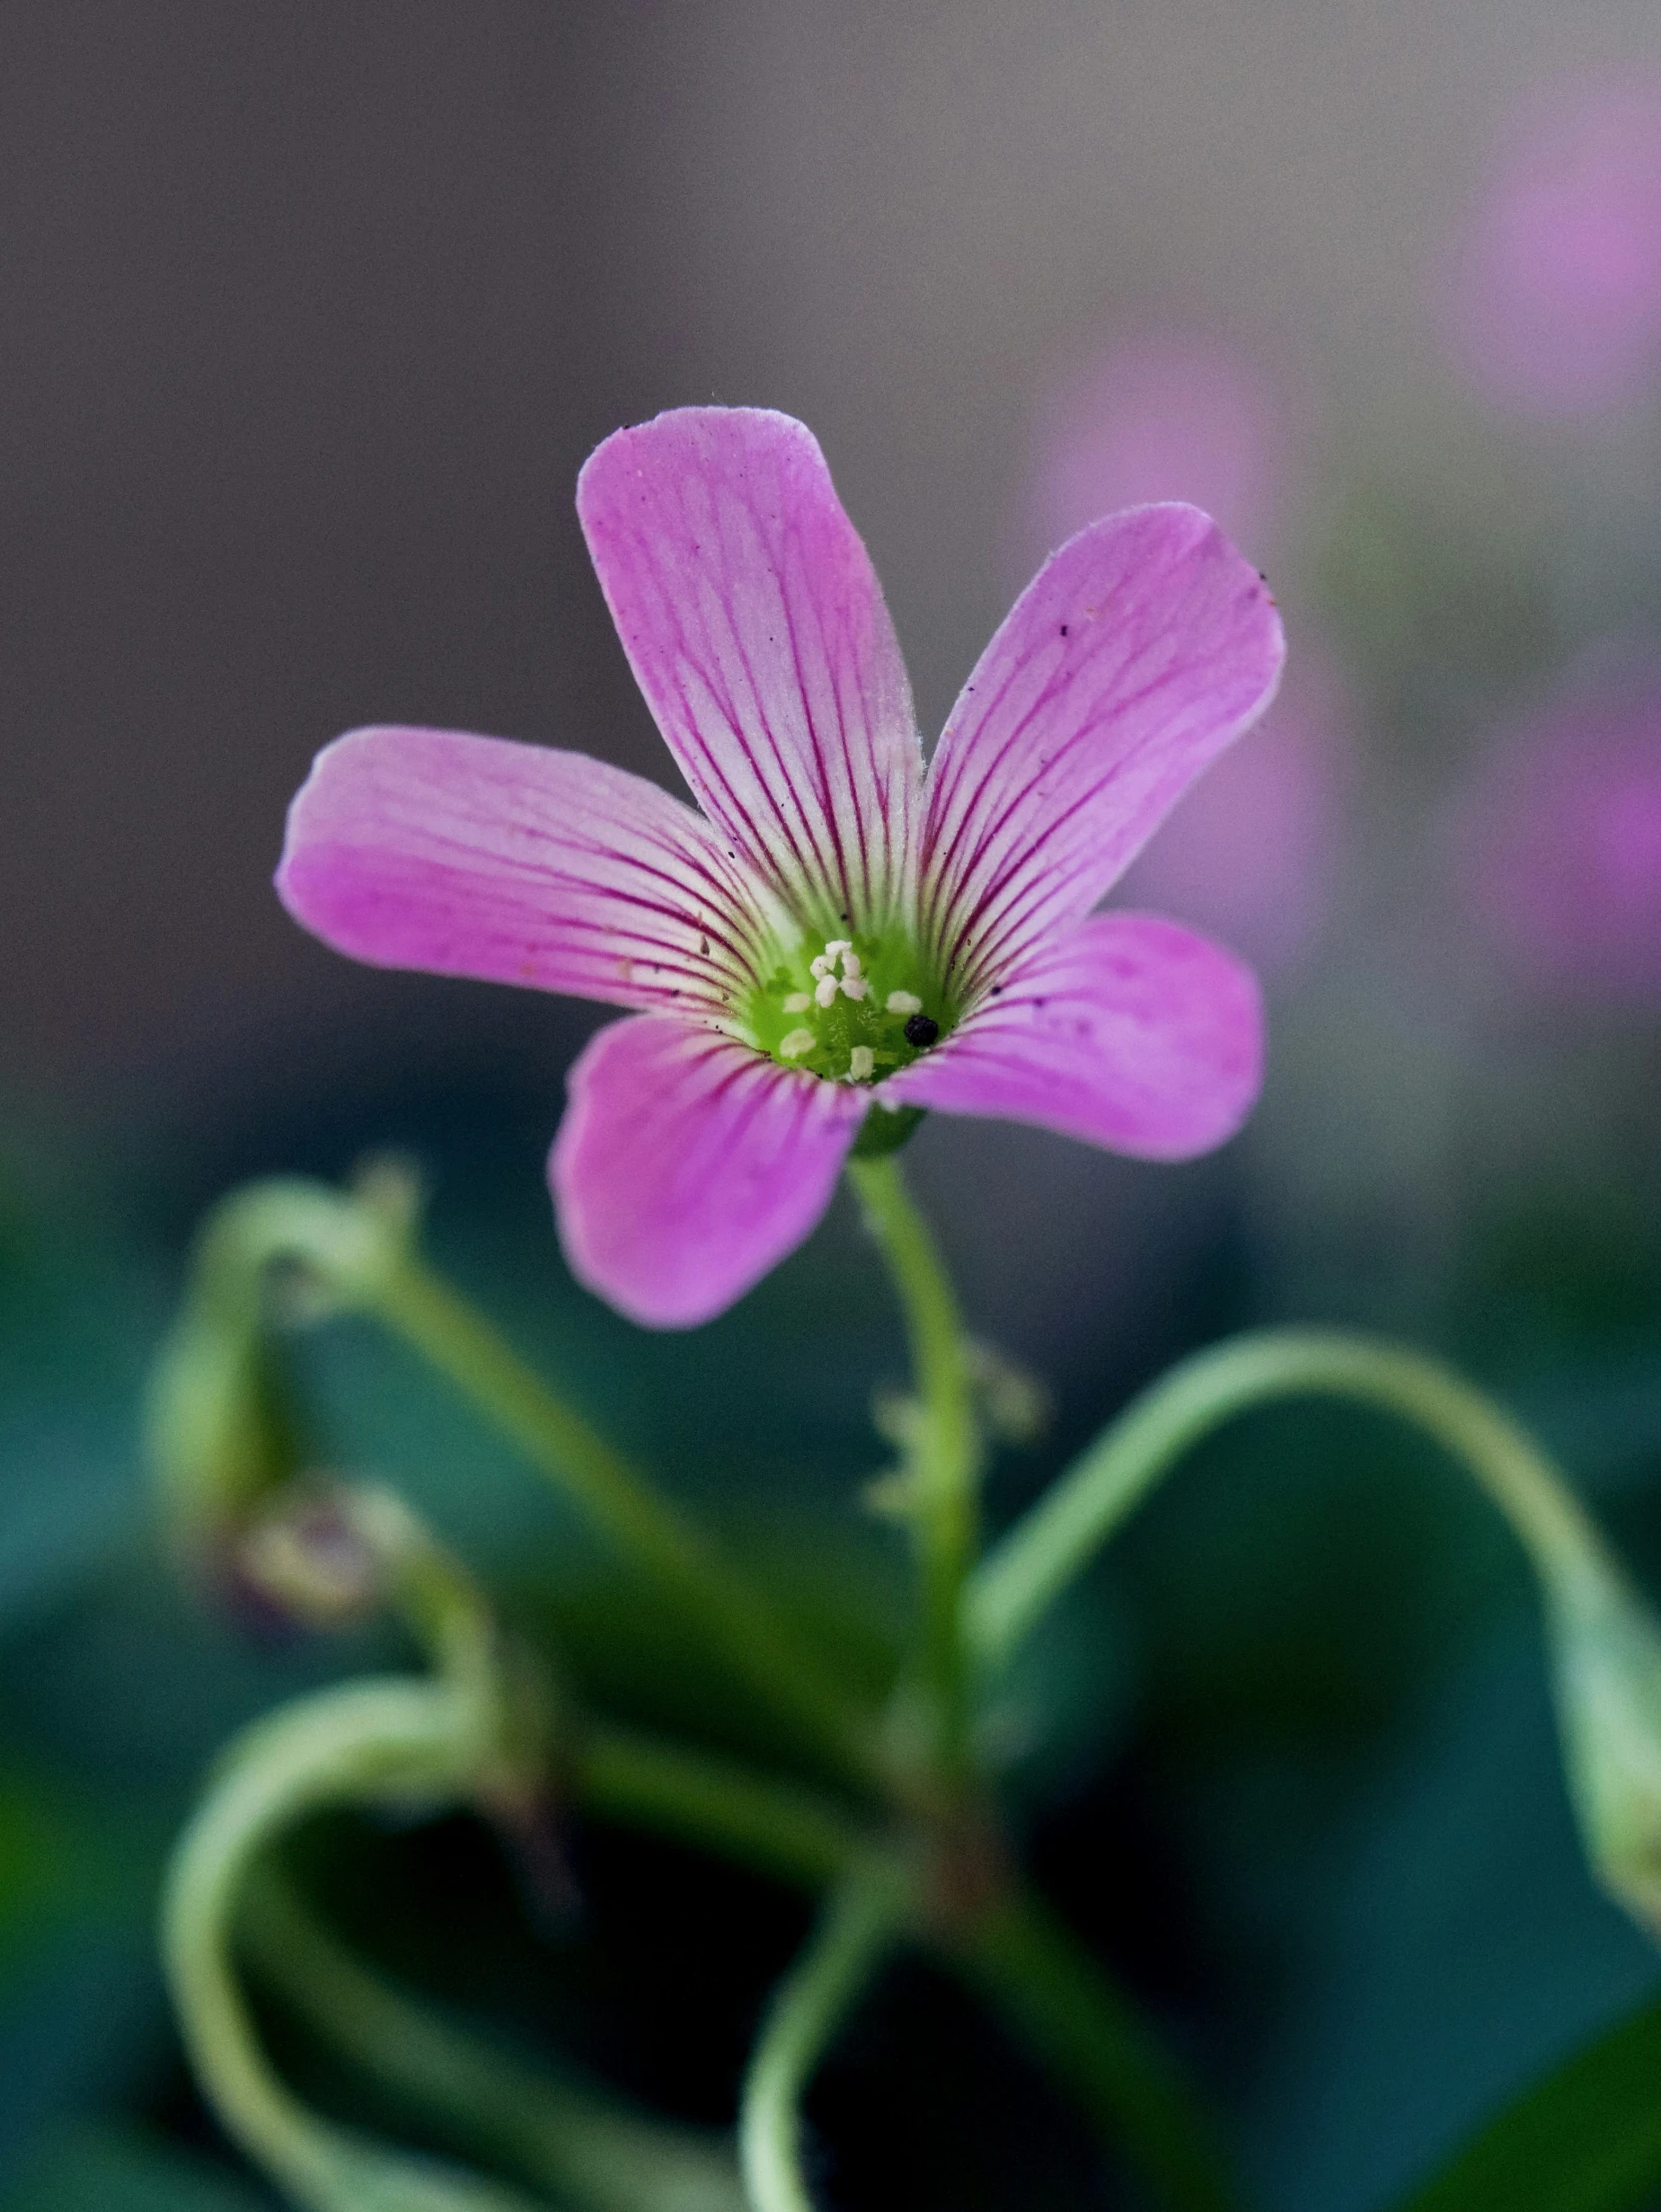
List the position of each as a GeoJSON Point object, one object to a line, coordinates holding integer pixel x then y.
{"type": "Point", "coordinates": [128, 2173]}
{"type": "Point", "coordinates": [1584, 2138]}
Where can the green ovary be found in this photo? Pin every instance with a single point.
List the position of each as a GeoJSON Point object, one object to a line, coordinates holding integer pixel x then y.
{"type": "Point", "coordinates": [856, 1036]}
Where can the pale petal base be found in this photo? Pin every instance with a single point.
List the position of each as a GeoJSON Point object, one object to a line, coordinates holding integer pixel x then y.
{"type": "Point", "coordinates": [1131, 1032]}
{"type": "Point", "coordinates": [687, 1165]}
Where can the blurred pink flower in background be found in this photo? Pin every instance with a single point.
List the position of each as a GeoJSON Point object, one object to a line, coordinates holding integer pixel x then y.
{"type": "Point", "coordinates": [1561, 839]}
{"type": "Point", "coordinates": [1554, 293]}
{"type": "Point", "coordinates": [1156, 415]}
{"type": "Point", "coordinates": [1250, 855]}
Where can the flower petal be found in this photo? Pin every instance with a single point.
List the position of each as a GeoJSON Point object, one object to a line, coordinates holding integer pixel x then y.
{"type": "Point", "coordinates": [755, 624]}
{"type": "Point", "coordinates": [1133, 657]}
{"type": "Point", "coordinates": [474, 856]}
{"type": "Point", "coordinates": [687, 1165]}
{"type": "Point", "coordinates": [1130, 1031]}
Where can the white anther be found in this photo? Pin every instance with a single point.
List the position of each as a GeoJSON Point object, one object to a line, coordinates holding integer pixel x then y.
{"type": "Point", "coordinates": [900, 1002]}
{"type": "Point", "coordinates": [798, 1002]}
{"type": "Point", "coordinates": [825, 990]}
{"type": "Point", "coordinates": [837, 944]}
{"type": "Point", "coordinates": [862, 1064]}
{"type": "Point", "coordinates": [822, 965]}
{"type": "Point", "coordinates": [797, 1042]}
{"type": "Point", "coordinates": [850, 964]}
{"type": "Point", "coordinates": [854, 987]}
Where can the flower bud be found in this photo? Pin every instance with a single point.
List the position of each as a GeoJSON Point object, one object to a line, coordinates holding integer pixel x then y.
{"type": "Point", "coordinates": [220, 1435]}
{"type": "Point", "coordinates": [1607, 1668]}
{"type": "Point", "coordinates": [218, 1432]}
{"type": "Point", "coordinates": [309, 1557]}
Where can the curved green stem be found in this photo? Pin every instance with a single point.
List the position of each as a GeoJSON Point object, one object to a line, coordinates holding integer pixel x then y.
{"type": "Point", "coordinates": [583, 2149]}
{"type": "Point", "coordinates": [1088, 2037]}
{"type": "Point", "coordinates": [372, 1742]}
{"type": "Point", "coordinates": [1023, 1575]}
{"type": "Point", "coordinates": [451, 1738]}
{"type": "Point", "coordinates": [945, 1460]}
{"type": "Point", "coordinates": [860, 1925]}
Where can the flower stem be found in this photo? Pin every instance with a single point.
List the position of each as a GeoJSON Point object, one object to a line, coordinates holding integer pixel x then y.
{"type": "Point", "coordinates": [860, 1924]}
{"type": "Point", "coordinates": [614, 1773]}
{"type": "Point", "coordinates": [646, 1529]}
{"type": "Point", "coordinates": [1089, 2038]}
{"type": "Point", "coordinates": [1023, 1575]}
{"type": "Point", "coordinates": [945, 1459]}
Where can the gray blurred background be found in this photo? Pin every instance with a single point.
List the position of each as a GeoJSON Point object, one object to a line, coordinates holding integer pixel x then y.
{"type": "Point", "coordinates": [310, 314]}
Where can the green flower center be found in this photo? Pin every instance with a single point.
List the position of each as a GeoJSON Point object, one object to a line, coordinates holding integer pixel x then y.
{"type": "Point", "coordinates": [852, 1009]}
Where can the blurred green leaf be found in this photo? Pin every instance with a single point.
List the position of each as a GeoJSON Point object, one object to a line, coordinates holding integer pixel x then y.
{"type": "Point", "coordinates": [70, 1501]}
{"type": "Point", "coordinates": [59, 1863]}
{"type": "Point", "coordinates": [126, 2173]}
{"type": "Point", "coordinates": [1446, 1945]}
{"type": "Point", "coordinates": [1584, 2138]}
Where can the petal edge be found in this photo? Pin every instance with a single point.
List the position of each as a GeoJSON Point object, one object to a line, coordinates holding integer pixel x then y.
{"type": "Point", "coordinates": [1136, 653]}
{"type": "Point", "coordinates": [510, 863]}
{"type": "Point", "coordinates": [756, 627]}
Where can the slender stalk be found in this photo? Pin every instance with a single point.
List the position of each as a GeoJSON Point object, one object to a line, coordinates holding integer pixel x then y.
{"type": "Point", "coordinates": [737, 1621]}
{"type": "Point", "coordinates": [1020, 1577]}
{"type": "Point", "coordinates": [860, 1924]}
{"type": "Point", "coordinates": [780, 1830]}
{"type": "Point", "coordinates": [1091, 2039]}
{"type": "Point", "coordinates": [583, 2149]}
{"type": "Point", "coordinates": [372, 1742]}
{"type": "Point", "coordinates": [946, 1458]}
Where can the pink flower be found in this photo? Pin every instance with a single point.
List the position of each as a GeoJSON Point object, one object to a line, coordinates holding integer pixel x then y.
{"type": "Point", "coordinates": [1156, 414]}
{"type": "Point", "coordinates": [840, 936]}
{"type": "Point", "coordinates": [1555, 297]}
{"type": "Point", "coordinates": [1563, 833]}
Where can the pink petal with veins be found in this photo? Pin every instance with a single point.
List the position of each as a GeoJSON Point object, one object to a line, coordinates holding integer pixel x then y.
{"type": "Point", "coordinates": [687, 1165]}
{"type": "Point", "coordinates": [474, 856]}
{"type": "Point", "coordinates": [1131, 1032]}
{"type": "Point", "coordinates": [756, 627]}
{"type": "Point", "coordinates": [1136, 653]}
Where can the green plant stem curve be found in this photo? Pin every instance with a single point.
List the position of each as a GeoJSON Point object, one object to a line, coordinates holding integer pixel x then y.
{"type": "Point", "coordinates": [379, 1741]}
{"type": "Point", "coordinates": [860, 1924]}
{"type": "Point", "coordinates": [1020, 1577]}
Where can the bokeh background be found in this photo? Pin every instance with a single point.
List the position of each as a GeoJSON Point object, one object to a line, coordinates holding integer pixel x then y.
{"type": "Point", "coordinates": [311, 315]}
